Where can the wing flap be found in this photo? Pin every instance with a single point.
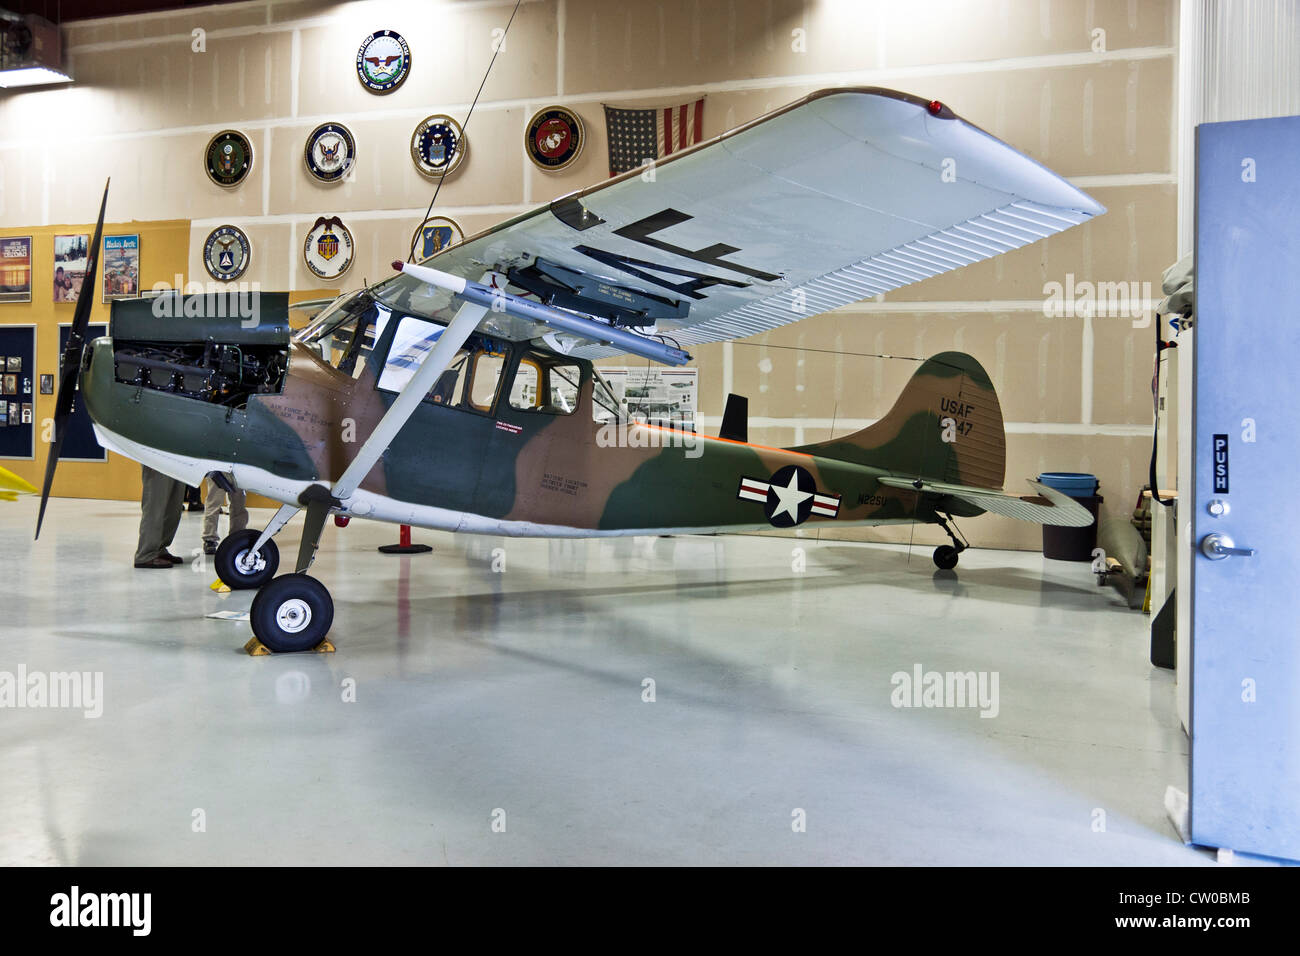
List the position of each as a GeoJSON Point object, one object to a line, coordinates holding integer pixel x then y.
{"type": "Point", "coordinates": [1062, 510]}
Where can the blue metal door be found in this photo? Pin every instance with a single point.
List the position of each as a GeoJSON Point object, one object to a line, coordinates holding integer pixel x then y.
{"type": "Point", "coordinates": [1245, 700]}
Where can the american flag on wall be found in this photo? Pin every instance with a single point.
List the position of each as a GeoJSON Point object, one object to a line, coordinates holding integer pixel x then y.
{"type": "Point", "coordinates": [640, 134]}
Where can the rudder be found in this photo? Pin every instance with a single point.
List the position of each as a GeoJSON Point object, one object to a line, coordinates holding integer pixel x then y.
{"type": "Point", "coordinates": [945, 425]}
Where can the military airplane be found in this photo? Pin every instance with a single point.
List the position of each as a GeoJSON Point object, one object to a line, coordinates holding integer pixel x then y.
{"type": "Point", "coordinates": [461, 393]}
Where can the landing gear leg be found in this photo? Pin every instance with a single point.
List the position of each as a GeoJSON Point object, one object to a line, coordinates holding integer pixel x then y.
{"type": "Point", "coordinates": [294, 611]}
{"type": "Point", "coordinates": [278, 520]}
{"type": "Point", "coordinates": [945, 556]}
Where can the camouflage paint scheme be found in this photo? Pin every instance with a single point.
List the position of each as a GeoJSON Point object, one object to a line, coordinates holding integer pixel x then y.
{"type": "Point", "coordinates": [553, 470]}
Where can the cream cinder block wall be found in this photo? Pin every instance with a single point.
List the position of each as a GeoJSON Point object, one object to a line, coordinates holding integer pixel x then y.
{"type": "Point", "coordinates": [1085, 86]}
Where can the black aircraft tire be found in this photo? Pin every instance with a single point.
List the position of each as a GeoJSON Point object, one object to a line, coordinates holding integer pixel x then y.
{"type": "Point", "coordinates": [291, 613]}
{"type": "Point", "coordinates": [234, 550]}
{"type": "Point", "coordinates": [945, 557]}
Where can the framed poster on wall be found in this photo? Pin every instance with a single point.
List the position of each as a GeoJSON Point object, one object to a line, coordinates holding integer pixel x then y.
{"type": "Point", "coordinates": [70, 256]}
{"type": "Point", "coordinates": [15, 268]}
{"type": "Point", "coordinates": [121, 267]}
{"type": "Point", "coordinates": [80, 444]}
{"type": "Point", "coordinates": [17, 430]}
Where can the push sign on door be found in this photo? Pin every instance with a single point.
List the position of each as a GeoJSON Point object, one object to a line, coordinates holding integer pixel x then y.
{"type": "Point", "coordinates": [1220, 464]}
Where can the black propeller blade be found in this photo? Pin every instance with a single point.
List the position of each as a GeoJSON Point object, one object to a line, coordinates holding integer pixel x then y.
{"type": "Point", "coordinates": [70, 364]}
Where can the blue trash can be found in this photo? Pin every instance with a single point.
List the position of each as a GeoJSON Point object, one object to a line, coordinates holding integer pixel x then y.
{"type": "Point", "coordinates": [1072, 544]}
{"type": "Point", "coordinates": [1076, 484]}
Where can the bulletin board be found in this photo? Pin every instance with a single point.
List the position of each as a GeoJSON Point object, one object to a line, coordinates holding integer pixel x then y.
{"type": "Point", "coordinates": [17, 392]}
{"type": "Point", "coordinates": [79, 442]}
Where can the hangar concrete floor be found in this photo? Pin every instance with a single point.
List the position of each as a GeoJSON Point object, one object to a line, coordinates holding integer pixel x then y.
{"type": "Point", "coordinates": [515, 696]}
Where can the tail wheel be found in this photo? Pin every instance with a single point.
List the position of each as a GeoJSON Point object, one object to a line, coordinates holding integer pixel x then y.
{"type": "Point", "coordinates": [945, 557]}
{"type": "Point", "coordinates": [242, 568]}
{"type": "Point", "coordinates": [292, 613]}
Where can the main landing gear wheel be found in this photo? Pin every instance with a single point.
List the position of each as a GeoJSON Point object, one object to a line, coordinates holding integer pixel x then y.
{"type": "Point", "coordinates": [241, 568]}
{"type": "Point", "coordinates": [945, 557]}
{"type": "Point", "coordinates": [292, 613]}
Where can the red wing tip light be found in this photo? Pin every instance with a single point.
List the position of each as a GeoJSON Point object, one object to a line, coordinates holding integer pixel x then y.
{"type": "Point", "coordinates": [397, 264]}
{"type": "Point", "coordinates": [935, 107]}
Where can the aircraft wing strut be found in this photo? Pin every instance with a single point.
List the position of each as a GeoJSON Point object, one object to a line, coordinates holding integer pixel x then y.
{"type": "Point", "coordinates": [318, 499]}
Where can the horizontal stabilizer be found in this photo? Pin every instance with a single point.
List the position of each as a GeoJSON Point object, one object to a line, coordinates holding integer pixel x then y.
{"type": "Point", "coordinates": [1063, 510]}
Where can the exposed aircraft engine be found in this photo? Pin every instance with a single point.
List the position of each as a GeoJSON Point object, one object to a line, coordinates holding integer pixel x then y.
{"type": "Point", "coordinates": [208, 371]}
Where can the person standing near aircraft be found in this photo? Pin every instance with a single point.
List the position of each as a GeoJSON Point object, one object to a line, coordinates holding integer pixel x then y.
{"type": "Point", "coordinates": [162, 500]}
{"type": "Point", "coordinates": [213, 497]}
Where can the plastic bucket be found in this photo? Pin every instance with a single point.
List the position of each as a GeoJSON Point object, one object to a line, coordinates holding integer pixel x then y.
{"type": "Point", "coordinates": [1072, 544]}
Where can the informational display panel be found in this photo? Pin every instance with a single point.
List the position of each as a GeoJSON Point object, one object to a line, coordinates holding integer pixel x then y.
{"type": "Point", "coordinates": [17, 391]}
{"type": "Point", "coordinates": [664, 396]}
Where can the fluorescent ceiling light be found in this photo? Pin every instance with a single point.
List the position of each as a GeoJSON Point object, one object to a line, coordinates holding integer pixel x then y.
{"type": "Point", "coordinates": [32, 76]}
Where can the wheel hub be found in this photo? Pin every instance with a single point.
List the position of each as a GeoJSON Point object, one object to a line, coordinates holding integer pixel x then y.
{"type": "Point", "coordinates": [293, 615]}
{"type": "Point", "coordinates": [249, 562]}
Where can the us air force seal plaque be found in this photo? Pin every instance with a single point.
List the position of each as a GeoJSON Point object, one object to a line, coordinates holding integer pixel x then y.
{"type": "Point", "coordinates": [554, 138]}
{"type": "Point", "coordinates": [330, 152]}
{"type": "Point", "coordinates": [226, 253]}
{"type": "Point", "coordinates": [328, 251]}
{"type": "Point", "coordinates": [437, 146]}
{"type": "Point", "coordinates": [228, 158]}
{"type": "Point", "coordinates": [383, 62]}
{"type": "Point", "coordinates": [434, 235]}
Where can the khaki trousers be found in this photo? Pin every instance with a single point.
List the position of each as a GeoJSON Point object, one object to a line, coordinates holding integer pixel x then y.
{"type": "Point", "coordinates": [213, 498]}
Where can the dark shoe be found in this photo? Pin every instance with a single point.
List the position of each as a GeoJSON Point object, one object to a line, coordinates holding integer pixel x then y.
{"type": "Point", "coordinates": [158, 562]}
{"type": "Point", "coordinates": [209, 547]}
{"type": "Point", "coordinates": [194, 506]}
{"type": "Point", "coordinates": [168, 556]}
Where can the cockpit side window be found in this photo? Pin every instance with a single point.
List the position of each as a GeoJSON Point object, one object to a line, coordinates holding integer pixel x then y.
{"type": "Point", "coordinates": [469, 383]}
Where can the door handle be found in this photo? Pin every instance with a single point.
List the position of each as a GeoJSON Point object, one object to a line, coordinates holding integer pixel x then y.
{"type": "Point", "coordinates": [1216, 546]}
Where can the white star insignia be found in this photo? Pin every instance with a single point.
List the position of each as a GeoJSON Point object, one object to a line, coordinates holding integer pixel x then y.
{"type": "Point", "coordinates": [790, 497]}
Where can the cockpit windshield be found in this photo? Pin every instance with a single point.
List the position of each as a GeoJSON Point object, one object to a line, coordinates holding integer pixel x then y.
{"type": "Point", "coordinates": [346, 331]}
{"type": "Point", "coordinates": [329, 318]}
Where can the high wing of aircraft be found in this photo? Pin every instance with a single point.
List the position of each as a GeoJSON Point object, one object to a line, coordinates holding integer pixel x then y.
{"type": "Point", "coordinates": [461, 394]}
{"type": "Point", "coordinates": [837, 197]}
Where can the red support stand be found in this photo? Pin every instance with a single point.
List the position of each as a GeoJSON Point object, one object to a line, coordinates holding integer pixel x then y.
{"type": "Point", "coordinates": [404, 545]}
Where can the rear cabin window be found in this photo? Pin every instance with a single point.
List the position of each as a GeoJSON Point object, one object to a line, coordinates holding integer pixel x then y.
{"type": "Point", "coordinates": [546, 385]}
{"type": "Point", "coordinates": [485, 376]}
